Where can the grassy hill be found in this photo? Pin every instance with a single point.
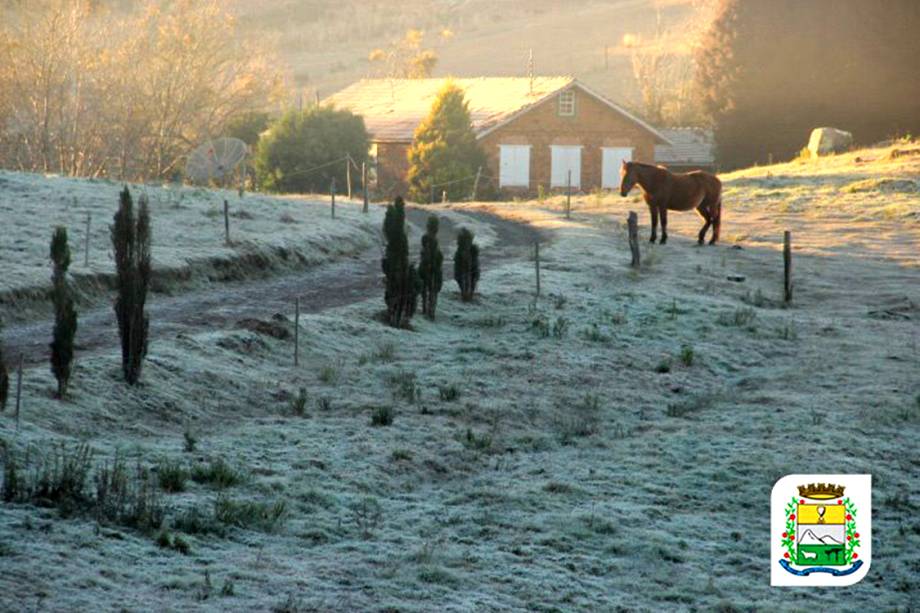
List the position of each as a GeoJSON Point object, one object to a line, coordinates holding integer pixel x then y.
{"type": "Point", "coordinates": [327, 43]}
{"type": "Point", "coordinates": [610, 445]}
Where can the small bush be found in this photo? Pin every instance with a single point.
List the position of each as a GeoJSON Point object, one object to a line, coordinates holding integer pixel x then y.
{"type": "Point", "coordinates": [448, 393]}
{"type": "Point", "coordinates": [172, 476]}
{"type": "Point", "coordinates": [382, 416]}
{"type": "Point", "coordinates": [740, 317]}
{"type": "Point", "coordinates": [686, 355]}
{"type": "Point", "coordinates": [250, 514]}
{"type": "Point", "coordinates": [323, 404]}
{"type": "Point", "coordinates": [366, 515]}
{"type": "Point", "coordinates": [466, 264]}
{"type": "Point", "coordinates": [664, 366]}
{"type": "Point", "coordinates": [298, 405]}
{"type": "Point", "coordinates": [406, 387]}
{"type": "Point", "coordinates": [329, 373]}
{"type": "Point", "coordinates": [217, 473]}
{"type": "Point", "coordinates": [195, 521]}
{"type": "Point", "coordinates": [476, 442]}
{"type": "Point", "coordinates": [190, 440]}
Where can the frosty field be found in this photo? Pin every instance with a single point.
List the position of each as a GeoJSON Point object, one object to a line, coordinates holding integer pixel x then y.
{"type": "Point", "coordinates": [610, 445]}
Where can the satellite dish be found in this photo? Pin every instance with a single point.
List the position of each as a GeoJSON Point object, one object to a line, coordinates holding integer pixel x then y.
{"type": "Point", "coordinates": [215, 160]}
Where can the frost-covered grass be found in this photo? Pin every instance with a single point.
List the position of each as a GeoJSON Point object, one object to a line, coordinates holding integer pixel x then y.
{"type": "Point", "coordinates": [268, 234]}
{"type": "Point", "coordinates": [540, 455]}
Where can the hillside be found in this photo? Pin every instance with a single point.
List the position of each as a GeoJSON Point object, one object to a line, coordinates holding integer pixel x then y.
{"type": "Point", "coordinates": [608, 445]}
{"type": "Point", "coordinates": [326, 44]}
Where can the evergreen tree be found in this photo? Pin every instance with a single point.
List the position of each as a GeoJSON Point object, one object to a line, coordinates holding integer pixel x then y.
{"type": "Point", "coordinates": [131, 245]}
{"type": "Point", "coordinates": [303, 151]}
{"type": "Point", "coordinates": [466, 264]}
{"type": "Point", "coordinates": [445, 151]}
{"type": "Point", "coordinates": [770, 72]}
{"type": "Point", "coordinates": [65, 314]}
{"type": "Point", "coordinates": [4, 376]}
{"type": "Point", "coordinates": [402, 281]}
{"type": "Point", "coordinates": [430, 268]}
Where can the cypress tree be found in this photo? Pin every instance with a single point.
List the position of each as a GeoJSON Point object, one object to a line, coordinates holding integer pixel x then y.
{"type": "Point", "coordinates": [65, 315]}
{"type": "Point", "coordinates": [402, 282]}
{"type": "Point", "coordinates": [4, 377]}
{"type": "Point", "coordinates": [131, 245]}
{"type": "Point", "coordinates": [445, 150]}
{"type": "Point", "coordinates": [466, 264]}
{"type": "Point", "coordinates": [430, 268]}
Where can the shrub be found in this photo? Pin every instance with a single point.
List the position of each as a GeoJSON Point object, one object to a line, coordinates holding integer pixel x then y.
{"type": "Point", "coordinates": [172, 476]}
{"type": "Point", "coordinates": [4, 377]}
{"type": "Point", "coordinates": [250, 514]}
{"type": "Point", "coordinates": [248, 127]}
{"type": "Point", "coordinates": [299, 403]}
{"type": "Point", "coordinates": [466, 264]}
{"type": "Point", "coordinates": [448, 393]}
{"type": "Point", "coordinates": [128, 500]}
{"type": "Point", "coordinates": [382, 416]}
{"type": "Point", "coordinates": [686, 355]}
{"type": "Point", "coordinates": [445, 150]}
{"type": "Point", "coordinates": [430, 268]}
{"type": "Point", "coordinates": [217, 473]}
{"type": "Point", "coordinates": [402, 281]}
{"type": "Point", "coordinates": [310, 140]}
{"type": "Point", "coordinates": [65, 315]}
{"type": "Point", "coordinates": [131, 247]}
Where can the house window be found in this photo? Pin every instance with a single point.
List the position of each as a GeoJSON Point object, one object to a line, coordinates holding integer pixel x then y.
{"type": "Point", "coordinates": [514, 166]}
{"type": "Point", "coordinates": [565, 160]}
{"type": "Point", "coordinates": [567, 103]}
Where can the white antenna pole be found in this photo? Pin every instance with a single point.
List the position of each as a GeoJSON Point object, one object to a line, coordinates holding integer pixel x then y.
{"type": "Point", "coordinates": [530, 69]}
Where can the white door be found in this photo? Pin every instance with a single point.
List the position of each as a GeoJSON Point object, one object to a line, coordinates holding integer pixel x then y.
{"type": "Point", "coordinates": [565, 158]}
{"type": "Point", "coordinates": [514, 166]}
{"type": "Point", "coordinates": [610, 170]}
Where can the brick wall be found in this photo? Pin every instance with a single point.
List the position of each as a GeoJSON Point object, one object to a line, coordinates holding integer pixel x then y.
{"type": "Point", "coordinates": [594, 125]}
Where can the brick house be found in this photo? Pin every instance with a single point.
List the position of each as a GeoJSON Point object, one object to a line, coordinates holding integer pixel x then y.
{"type": "Point", "coordinates": [533, 131]}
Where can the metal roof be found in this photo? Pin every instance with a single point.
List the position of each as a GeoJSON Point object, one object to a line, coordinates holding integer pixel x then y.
{"type": "Point", "coordinates": [689, 147]}
{"type": "Point", "coordinates": [393, 108]}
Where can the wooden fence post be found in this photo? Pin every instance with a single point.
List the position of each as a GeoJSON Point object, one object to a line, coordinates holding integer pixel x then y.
{"type": "Point", "coordinates": [89, 219]}
{"type": "Point", "coordinates": [536, 259]}
{"type": "Point", "coordinates": [226, 222]}
{"type": "Point", "coordinates": [444, 196]}
{"type": "Point", "coordinates": [568, 196]}
{"type": "Point", "coordinates": [364, 184]}
{"type": "Point", "coordinates": [348, 175]}
{"type": "Point", "coordinates": [18, 390]}
{"type": "Point", "coordinates": [431, 200]}
{"type": "Point", "coordinates": [787, 266]}
{"type": "Point", "coordinates": [297, 332]}
{"type": "Point", "coordinates": [476, 184]}
{"type": "Point", "coordinates": [632, 224]}
{"type": "Point", "coordinates": [332, 193]}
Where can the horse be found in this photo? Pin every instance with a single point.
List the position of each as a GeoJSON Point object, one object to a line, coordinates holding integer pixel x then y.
{"type": "Point", "coordinates": [664, 190]}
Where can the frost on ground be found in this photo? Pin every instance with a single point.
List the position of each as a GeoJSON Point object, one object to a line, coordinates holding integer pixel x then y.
{"type": "Point", "coordinates": [267, 234]}
{"type": "Point", "coordinates": [609, 445]}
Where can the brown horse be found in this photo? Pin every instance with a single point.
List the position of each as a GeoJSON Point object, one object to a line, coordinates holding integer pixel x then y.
{"type": "Point", "coordinates": [664, 190]}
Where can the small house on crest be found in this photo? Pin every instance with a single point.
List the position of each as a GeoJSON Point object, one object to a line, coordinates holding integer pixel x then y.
{"type": "Point", "coordinates": [534, 131]}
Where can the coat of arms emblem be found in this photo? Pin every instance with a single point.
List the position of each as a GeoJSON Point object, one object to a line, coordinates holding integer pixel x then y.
{"type": "Point", "coordinates": [821, 529]}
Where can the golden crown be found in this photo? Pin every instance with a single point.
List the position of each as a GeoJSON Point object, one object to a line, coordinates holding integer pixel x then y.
{"type": "Point", "coordinates": [821, 491]}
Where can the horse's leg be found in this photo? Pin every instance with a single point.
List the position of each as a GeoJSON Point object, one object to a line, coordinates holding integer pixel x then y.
{"type": "Point", "coordinates": [664, 225]}
{"type": "Point", "coordinates": [716, 221]}
{"type": "Point", "coordinates": [707, 219]}
{"type": "Point", "coordinates": [653, 211]}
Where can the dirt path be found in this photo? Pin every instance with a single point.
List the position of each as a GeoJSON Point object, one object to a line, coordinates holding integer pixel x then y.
{"type": "Point", "coordinates": [325, 287]}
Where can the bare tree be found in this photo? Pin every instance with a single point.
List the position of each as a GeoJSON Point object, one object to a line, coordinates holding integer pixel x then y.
{"type": "Point", "coordinates": [84, 91]}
